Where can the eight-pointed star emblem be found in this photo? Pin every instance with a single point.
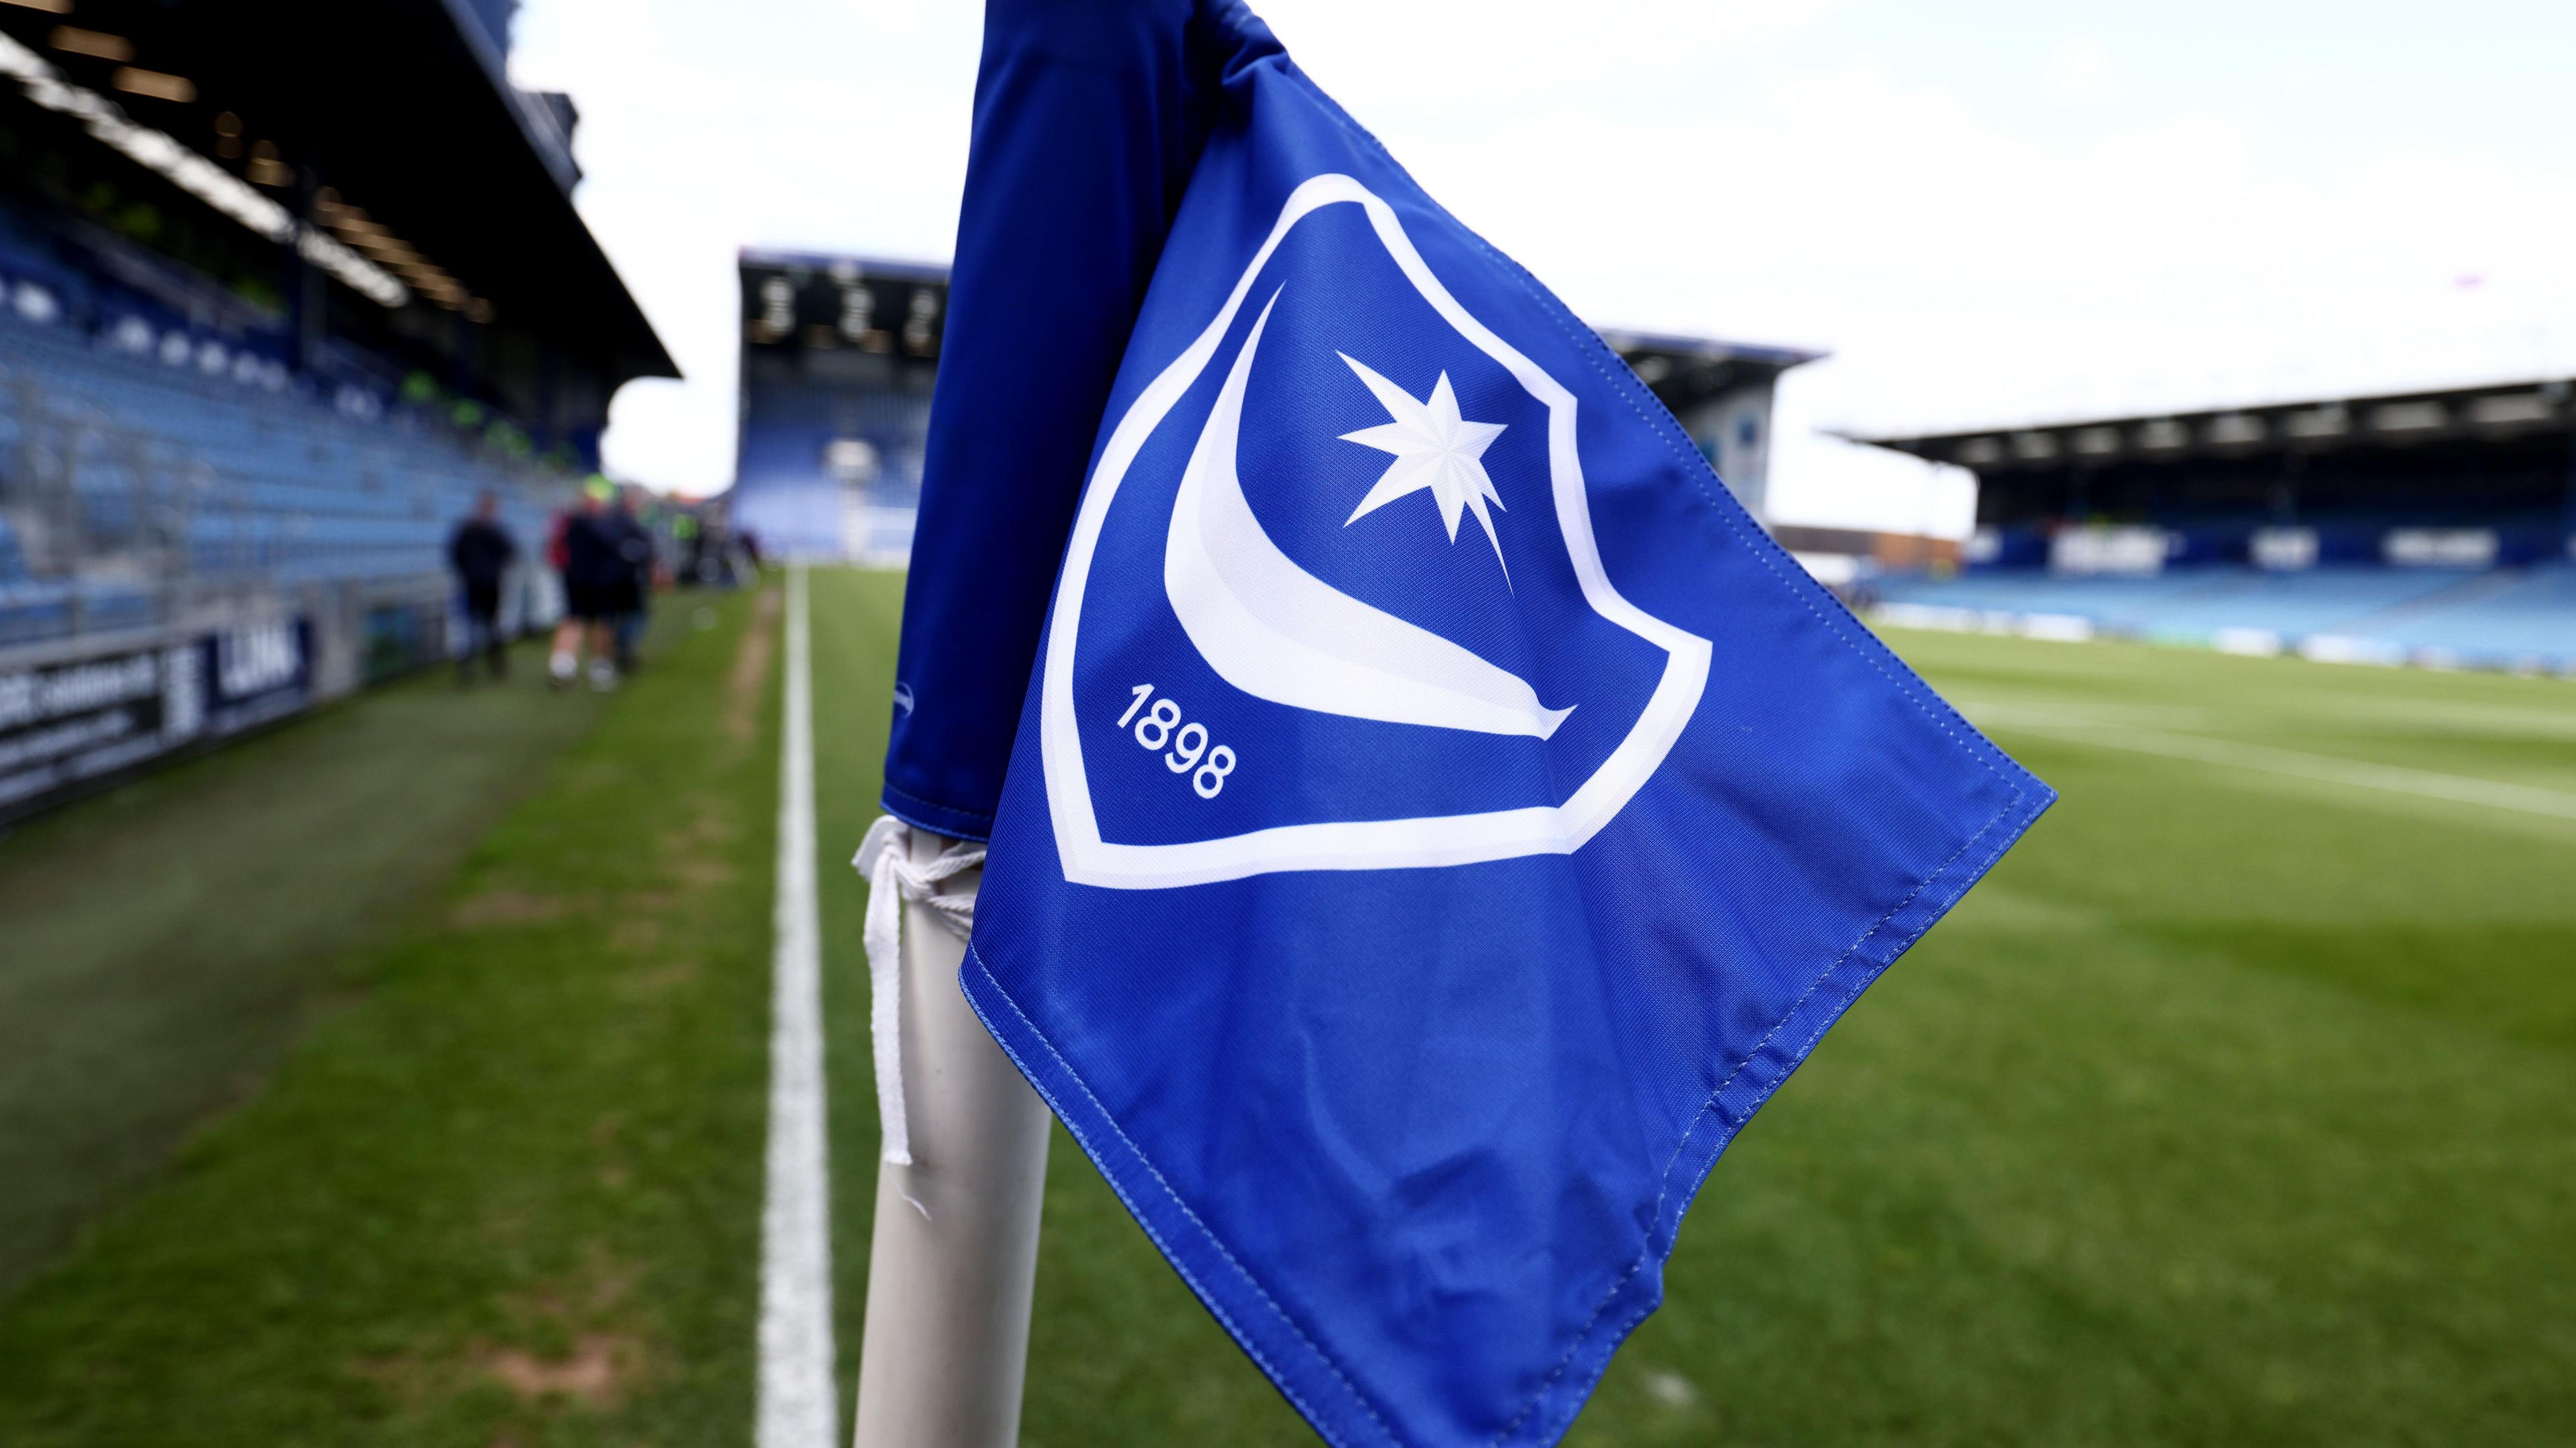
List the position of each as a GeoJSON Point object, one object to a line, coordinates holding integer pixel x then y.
{"type": "Point", "coordinates": [1435, 450]}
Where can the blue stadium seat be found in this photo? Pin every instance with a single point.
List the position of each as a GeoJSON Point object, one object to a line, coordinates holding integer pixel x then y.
{"type": "Point", "coordinates": [34, 611]}
{"type": "Point", "coordinates": [2523, 616]}
{"type": "Point", "coordinates": [2492, 618]}
{"type": "Point", "coordinates": [268, 483]}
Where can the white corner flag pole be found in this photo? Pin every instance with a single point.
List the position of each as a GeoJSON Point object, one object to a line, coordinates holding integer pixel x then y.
{"type": "Point", "coordinates": [954, 1256]}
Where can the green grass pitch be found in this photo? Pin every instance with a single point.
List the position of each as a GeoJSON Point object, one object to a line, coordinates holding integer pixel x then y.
{"type": "Point", "coordinates": [2238, 1106]}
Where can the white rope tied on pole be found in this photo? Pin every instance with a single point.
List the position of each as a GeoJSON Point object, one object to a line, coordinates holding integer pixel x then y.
{"type": "Point", "coordinates": [952, 1255]}
{"type": "Point", "coordinates": [885, 858]}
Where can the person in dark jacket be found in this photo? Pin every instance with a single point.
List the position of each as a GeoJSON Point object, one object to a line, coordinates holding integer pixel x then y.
{"type": "Point", "coordinates": [635, 596]}
{"type": "Point", "coordinates": [595, 576]}
{"type": "Point", "coordinates": [480, 553]}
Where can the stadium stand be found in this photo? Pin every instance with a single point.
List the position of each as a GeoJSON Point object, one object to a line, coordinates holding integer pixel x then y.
{"type": "Point", "coordinates": [152, 475]}
{"type": "Point", "coordinates": [1721, 392]}
{"type": "Point", "coordinates": [839, 354]}
{"type": "Point", "coordinates": [240, 411]}
{"type": "Point", "coordinates": [838, 357]}
{"type": "Point", "coordinates": [2433, 528]}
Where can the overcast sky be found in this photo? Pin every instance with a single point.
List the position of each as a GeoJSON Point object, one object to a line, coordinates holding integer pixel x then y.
{"type": "Point", "coordinates": [1988, 210]}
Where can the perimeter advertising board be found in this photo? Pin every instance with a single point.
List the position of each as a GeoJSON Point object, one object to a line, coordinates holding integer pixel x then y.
{"type": "Point", "coordinates": [72, 723]}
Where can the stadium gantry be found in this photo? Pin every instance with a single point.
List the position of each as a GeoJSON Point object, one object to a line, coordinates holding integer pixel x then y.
{"type": "Point", "coordinates": [276, 309]}
{"type": "Point", "coordinates": [2434, 527]}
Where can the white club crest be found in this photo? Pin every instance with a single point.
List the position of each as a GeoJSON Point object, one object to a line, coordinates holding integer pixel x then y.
{"type": "Point", "coordinates": [1276, 632]}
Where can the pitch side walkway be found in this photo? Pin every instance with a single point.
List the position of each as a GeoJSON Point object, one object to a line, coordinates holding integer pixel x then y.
{"type": "Point", "coordinates": [504, 964]}
{"type": "Point", "coordinates": [166, 941]}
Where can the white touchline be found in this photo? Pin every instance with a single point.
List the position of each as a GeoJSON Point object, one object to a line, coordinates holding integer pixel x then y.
{"type": "Point", "coordinates": [798, 1405]}
{"type": "Point", "coordinates": [2291, 763]}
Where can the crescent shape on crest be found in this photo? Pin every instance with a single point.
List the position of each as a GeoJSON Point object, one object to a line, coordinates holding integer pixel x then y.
{"type": "Point", "coordinates": [1277, 632]}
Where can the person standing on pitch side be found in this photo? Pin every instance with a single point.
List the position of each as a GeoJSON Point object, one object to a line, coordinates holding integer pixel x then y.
{"type": "Point", "coordinates": [480, 553]}
{"type": "Point", "coordinates": [634, 594]}
{"type": "Point", "coordinates": [594, 572]}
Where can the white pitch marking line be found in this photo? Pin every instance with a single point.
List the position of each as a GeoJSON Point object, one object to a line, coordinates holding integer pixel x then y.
{"type": "Point", "coordinates": [798, 1405]}
{"type": "Point", "coordinates": [2293, 763]}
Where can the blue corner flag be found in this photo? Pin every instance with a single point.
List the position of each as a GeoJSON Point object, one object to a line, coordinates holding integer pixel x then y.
{"type": "Point", "coordinates": [1439, 817]}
